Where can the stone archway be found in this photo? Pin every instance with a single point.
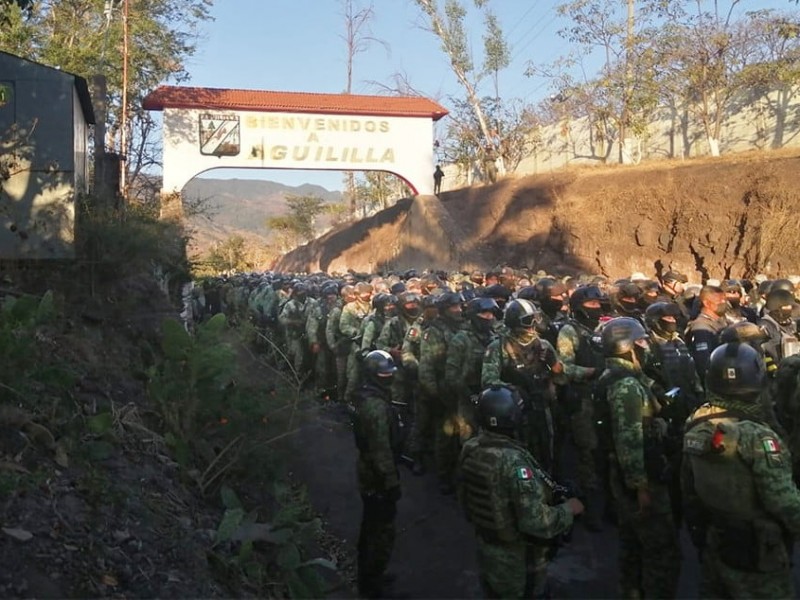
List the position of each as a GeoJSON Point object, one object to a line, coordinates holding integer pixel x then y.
{"type": "Point", "coordinates": [206, 128]}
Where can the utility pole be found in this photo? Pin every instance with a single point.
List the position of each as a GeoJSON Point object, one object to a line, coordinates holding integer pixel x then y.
{"type": "Point", "coordinates": [123, 158]}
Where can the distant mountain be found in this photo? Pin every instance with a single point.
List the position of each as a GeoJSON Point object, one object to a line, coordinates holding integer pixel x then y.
{"type": "Point", "coordinates": [241, 207]}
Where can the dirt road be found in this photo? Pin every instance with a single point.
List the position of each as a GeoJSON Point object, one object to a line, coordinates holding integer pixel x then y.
{"type": "Point", "coordinates": [434, 554]}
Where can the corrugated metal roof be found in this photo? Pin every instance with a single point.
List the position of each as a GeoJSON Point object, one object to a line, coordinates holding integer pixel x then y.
{"type": "Point", "coordinates": [268, 101]}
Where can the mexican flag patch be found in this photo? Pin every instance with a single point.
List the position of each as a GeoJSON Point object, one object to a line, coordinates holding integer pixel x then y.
{"type": "Point", "coordinates": [524, 473]}
{"type": "Point", "coordinates": [771, 445]}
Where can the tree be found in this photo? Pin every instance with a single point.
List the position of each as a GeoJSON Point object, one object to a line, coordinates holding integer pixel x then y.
{"type": "Point", "coordinates": [449, 28]}
{"type": "Point", "coordinates": [228, 255]}
{"type": "Point", "coordinates": [79, 37]}
{"type": "Point", "coordinates": [376, 189]}
{"type": "Point", "coordinates": [299, 226]}
{"type": "Point", "coordinates": [358, 38]}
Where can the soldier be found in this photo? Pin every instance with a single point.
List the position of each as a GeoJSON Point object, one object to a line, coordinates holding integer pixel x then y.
{"type": "Point", "coordinates": [522, 359]}
{"type": "Point", "coordinates": [673, 290]}
{"type": "Point", "coordinates": [580, 350]}
{"type": "Point", "coordinates": [293, 319]}
{"type": "Point", "coordinates": [383, 309]}
{"type": "Point", "coordinates": [432, 359]}
{"type": "Point", "coordinates": [649, 553]}
{"type": "Point", "coordinates": [741, 504]}
{"type": "Point", "coordinates": [350, 327]}
{"type": "Point", "coordinates": [378, 433]}
{"type": "Point", "coordinates": [779, 324]}
{"type": "Point", "coordinates": [316, 325]}
{"type": "Point", "coordinates": [738, 310]}
{"type": "Point", "coordinates": [465, 361]}
{"type": "Point", "coordinates": [339, 345]}
{"type": "Point", "coordinates": [510, 501]}
{"type": "Point", "coordinates": [702, 333]}
{"type": "Point", "coordinates": [678, 388]}
{"type": "Point", "coordinates": [420, 441]}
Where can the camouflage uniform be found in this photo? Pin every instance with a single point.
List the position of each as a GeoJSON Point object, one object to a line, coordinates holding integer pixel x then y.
{"type": "Point", "coordinates": [742, 505]}
{"type": "Point", "coordinates": [391, 340]}
{"type": "Point", "coordinates": [340, 348]}
{"type": "Point", "coordinates": [528, 369]}
{"type": "Point", "coordinates": [353, 314]}
{"type": "Point", "coordinates": [580, 354]}
{"type": "Point", "coordinates": [420, 439]}
{"type": "Point", "coordinates": [293, 320]}
{"type": "Point", "coordinates": [378, 438]}
{"type": "Point", "coordinates": [649, 554]}
{"type": "Point", "coordinates": [432, 359]}
{"type": "Point", "coordinates": [463, 376]}
{"type": "Point", "coordinates": [506, 499]}
{"type": "Point", "coordinates": [316, 321]}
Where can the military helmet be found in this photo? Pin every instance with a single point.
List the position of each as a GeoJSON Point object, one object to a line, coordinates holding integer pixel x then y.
{"type": "Point", "coordinates": [521, 313]}
{"type": "Point", "coordinates": [529, 292]}
{"type": "Point", "coordinates": [499, 408]}
{"type": "Point", "coordinates": [735, 369]}
{"type": "Point", "coordinates": [743, 331]}
{"type": "Point", "coordinates": [657, 311]}
{"type": "Point", "coordinates": [378, 366]}
{"type": "Point", "coordinates": [329, 288]}
{"type": "Point", "coordinates": [782, 284]}
{"type": "Point", "coordinates": [620, 334]}
{"type": "Point", "coordinates": [498, 292]}
{"type": "Point", "coordinates": [381, 301]}
{"type": "Point", "coordinates": [479, 305]}
{"type": "Point", "coordinates": [584, 294]}
{"type": "Point", "coordinates": [778, 298]}
{"type": "Point", "coordinates": [448, 299]}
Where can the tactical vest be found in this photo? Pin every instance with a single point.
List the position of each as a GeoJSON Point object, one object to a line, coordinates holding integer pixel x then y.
{"type": "Point", "coordinates": [602, 406]}
{"type": "Point", "coordinates": [447, 334]}
{"type": "Point", "coordinates": [722, 480]}
{"type": "Point", "coordinates": [491, 514]}
{"type": "Point", "coordinates": [397, 428]}
{"type": "Point", "coordinates": [589, 352]}
{"type": "Point", "coordinates": [477, 350]}
{"type": "Point", "coordinates": [523, 368]}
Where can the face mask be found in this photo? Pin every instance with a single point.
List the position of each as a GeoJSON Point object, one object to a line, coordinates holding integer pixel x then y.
{"type": "Point", "coordinates": [455, 317]}
{"type": "Point", "coordinates": [483, 326]}
{"type": "Point", "coordinates": [642, 354]}
{"type": "Point", "coordinates": [300, 296]}
{"type": "Point", "coordinates": [668, 327]}
{"type": "Point", "coordinates": [413, 312]}
{"type": "Point", "coordinates": [592, 315]}
{"type": "Point", "coordinates": [551, 307]}
{"type": "Point", "coordinates": [524, 337]}
{"type": "Point", "coordinates": [628, 307]}
{"type": "Point", "coordinates": [781, 316]}
{"type": "Point", "coordinates": [735, 302]}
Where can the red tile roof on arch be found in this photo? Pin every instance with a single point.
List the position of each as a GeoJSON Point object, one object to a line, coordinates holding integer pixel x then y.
{"type": "Point", "coordinates": [299, 102]}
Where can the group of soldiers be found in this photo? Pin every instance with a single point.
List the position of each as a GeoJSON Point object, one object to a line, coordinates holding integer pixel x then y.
{"type": "Point", "coordinates": [672, 403]}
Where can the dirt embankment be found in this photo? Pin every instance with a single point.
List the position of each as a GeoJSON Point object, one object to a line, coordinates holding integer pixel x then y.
{"type": "Point", "coordinates": [728, 217]}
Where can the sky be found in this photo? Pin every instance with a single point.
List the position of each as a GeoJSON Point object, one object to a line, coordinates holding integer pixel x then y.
{"type": "Point", "coordinates": [298, 45]}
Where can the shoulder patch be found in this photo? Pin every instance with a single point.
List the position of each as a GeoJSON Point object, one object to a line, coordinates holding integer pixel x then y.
{"type": "Point", "coordinates": [771, 445]}
{"type": "Point", "coordinates": [524, 473]}
{"type": "Point", "coordinates": [701, 347]}
{"type": "Point", "coordinates": [425, 336]}
{"type": "Point", "coordinates": [413, 332]}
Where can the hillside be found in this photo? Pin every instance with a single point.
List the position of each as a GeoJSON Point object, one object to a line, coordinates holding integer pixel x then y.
{"type": "Point", "coordinates": [241, 207]}
{"type": "Point", "coordinates": [729, 216]}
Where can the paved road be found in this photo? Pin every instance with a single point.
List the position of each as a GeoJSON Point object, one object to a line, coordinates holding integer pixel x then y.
{"type": "Point", "coordinates": [434, 554]}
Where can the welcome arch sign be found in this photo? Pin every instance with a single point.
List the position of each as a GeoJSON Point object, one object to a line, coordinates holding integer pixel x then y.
{"type": "Point", "coordinates": [206, 128]}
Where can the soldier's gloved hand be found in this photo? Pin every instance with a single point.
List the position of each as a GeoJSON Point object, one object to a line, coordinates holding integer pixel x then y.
{"type": "Point", "coordinates": [576, 507]}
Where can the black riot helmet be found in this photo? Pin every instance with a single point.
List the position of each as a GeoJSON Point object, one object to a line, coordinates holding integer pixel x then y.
{"type": "Point", "coordinates": [657, 316]}
{"type": "Point", "coordinates": [780, 305]}
{"type": "Point", "coordinates": [479, 305]}
{"type": "Point", "coordinates": [744, 332]}
{"type": "Point", "coordinates": [381, 301]}
{"type": "Point", "coordinates": [620, 335]}
{"type": "Point", "coordinates": [584, 314]}
{"type": "Point", "coordinates": [448, 299]}
{"type": "Point", "coordinates": [499, 292]}
{"type": "Point", "coordinates": [736, 370]}
{"type": "Point", "coordinates": [500, 409]}
{"type": "Point", "coordinates": [379, 368]}
{"type": "Point", "coordinates": [522, 314]}
{"type": "Point", "coordinates": [529, 292]}
{"type": "Point", "coordinates": [299, 290]}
